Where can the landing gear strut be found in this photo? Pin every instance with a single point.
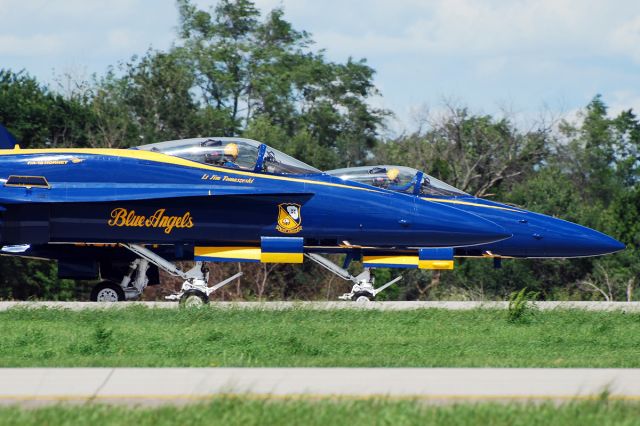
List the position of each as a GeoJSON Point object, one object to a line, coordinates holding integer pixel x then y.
{"type": "Point", "coordinates": [362, 290]}
{"type": "Point", "coordinates": [194, 290]}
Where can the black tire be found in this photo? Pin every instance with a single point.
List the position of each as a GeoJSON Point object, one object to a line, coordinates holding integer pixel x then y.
{"type": "Point", "coordinates": [359, 297]}
{"type": "Point", "coordinates": [190, 299]}
{"type": "Point", "coordinates": [107, 291]}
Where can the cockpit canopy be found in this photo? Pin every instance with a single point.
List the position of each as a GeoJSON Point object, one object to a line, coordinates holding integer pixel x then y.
{"type": "Point", "coordinates": [235, 153]}
{"type": "Point", "coordinates": [398, 178]}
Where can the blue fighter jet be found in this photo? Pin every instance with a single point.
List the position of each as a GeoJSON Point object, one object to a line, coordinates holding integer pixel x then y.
{"type": "Point", "coordinates": [117, 215]}
{"type": "Point", "coordinates": [534, 235]}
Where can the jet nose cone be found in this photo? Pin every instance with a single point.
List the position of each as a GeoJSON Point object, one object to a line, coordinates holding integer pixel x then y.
{"type": "Point", "coordinates": [606, 244]}
{"type": "Point", "coordinates": [596, 243]}
{"type": "Point", "coordinates": [571, 240]}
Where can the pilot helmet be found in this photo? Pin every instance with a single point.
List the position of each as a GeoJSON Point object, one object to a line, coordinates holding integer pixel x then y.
{"type": "Point", "coordinates": [392, 174]}
{"type": "Point", "coordinates": [218, 154]}
{"type": "Point", "coordinates": [231, 150]}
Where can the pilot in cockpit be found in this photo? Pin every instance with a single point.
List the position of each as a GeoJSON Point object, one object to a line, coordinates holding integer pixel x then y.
{"type": "Point", "coordinates": [225, 157]}
{"type": "Point", "coordinates": [379, 178]}
{"type": "Point", "coordinates": [395, 184]}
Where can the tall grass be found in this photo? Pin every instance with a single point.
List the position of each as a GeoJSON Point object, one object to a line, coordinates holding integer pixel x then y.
{"type": "Point", "coordinates": [352, 413]}
{"type": "Point", "coordinates": [144, 337]}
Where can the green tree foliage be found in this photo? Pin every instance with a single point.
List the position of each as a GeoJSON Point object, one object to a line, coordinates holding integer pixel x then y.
{"type": "Point", "coordinates": [39, 117]}
{"type": "Point", "coordinates": [586, 172]}
{"type": "Point", "coordinates": [476, 153]}
{"type": "Point", "coordinates": [233, 73]}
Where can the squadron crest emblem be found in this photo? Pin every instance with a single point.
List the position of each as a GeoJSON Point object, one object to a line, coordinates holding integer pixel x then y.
{"type": "Point", "coordinates": [289, 219]}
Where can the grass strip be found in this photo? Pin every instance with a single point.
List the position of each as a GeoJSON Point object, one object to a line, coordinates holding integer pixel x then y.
{"type": "Point", "coordinates": [339, 412]}
{"type": "Point", "coordinates": [211, 337]}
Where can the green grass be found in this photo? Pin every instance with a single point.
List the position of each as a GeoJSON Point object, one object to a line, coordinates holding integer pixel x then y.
{"type": "Point", "coordinates": [142, 337]}
{"type": "Point", "coordinates": [351, 413]}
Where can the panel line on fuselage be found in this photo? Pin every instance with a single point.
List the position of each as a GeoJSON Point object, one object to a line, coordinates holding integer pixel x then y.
{"type": "Point", "coordinates": [468, 203]}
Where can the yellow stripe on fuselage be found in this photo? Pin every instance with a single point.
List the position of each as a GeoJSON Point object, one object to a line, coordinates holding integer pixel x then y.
{"type": "Point", "coordinates": [408, 261]}
{"type": "Point", "coordinates": [168, 159]}
{"type": "Point", "coordinates": [247, 253]}
{"type": "Point", "coordinates": [468, 203]}
{"type": "Point", "coordinates": [390, 260]}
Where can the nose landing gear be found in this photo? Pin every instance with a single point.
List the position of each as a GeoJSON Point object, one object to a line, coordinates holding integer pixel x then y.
{"type": "Point", "coordinates": [363, 284]}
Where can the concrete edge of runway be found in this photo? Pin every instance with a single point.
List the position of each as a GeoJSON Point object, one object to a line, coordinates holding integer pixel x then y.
{"type": "Point", "coordinates": [156, 386]}
{"type": "Point", "coordinates": [383, 306]}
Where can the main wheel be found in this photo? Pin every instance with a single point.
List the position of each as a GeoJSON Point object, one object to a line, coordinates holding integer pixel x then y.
{"type": "Point", "coordinates": [193, 298]}
{"type": "Point", "coordinates": [107, 291]}
{"type": "Point", "coordinates": [363, 296]}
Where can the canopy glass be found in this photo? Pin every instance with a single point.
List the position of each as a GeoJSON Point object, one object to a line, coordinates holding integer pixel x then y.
{"type": "Point", "coordinates": [234, 153]}
{"type": "Point", "coordinates": [398, 178]}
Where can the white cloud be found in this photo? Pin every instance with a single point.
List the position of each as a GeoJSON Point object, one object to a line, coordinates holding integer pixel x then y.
{"type": "Point", "coordinates": [123, 39]}
{"type": "Point", "coordinates": [622, 100]}
{"type": "Point", "coordinates": [459, 27]}
{"type": "Point", "coordinates": [36, 44]}
{"type": "Point", "coordinates": [454, 28]}
{"type": "Point", "coordinates": [491, 66]}
{"type": "Point", "coordinates": [54, 12]}
{"type": "Point", "coordinates": [529, 52]}
{"type": "Point", "coordinates": [626, 39]}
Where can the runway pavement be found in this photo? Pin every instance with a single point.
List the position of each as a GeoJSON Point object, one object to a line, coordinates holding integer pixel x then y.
{"type": "Point", "coordinates": [391, 306]}
{"type": "Point", "coordinates": [152, 386]}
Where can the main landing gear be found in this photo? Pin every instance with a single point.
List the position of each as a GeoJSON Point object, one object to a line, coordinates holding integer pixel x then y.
{"type": "Point", "coordinates": [129, 288]}
{"type": "Point", "coordinates": [107, 291]}
{"type": "Point", "coordinates": [362, 290]}
{"type": "Point", "coordinates": [194, 290]}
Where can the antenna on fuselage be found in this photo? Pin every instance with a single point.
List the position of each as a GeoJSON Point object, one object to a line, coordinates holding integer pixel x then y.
{"type": "Point", "coordinates": [7, 141]}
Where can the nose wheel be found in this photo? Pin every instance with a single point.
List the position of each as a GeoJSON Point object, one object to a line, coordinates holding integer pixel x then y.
{"type": "Point", "coordinates": [363, 297]}
{"type": "Point", "coordinates": [193, 299]}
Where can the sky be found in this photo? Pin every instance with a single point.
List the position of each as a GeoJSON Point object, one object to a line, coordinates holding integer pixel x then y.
{"type": "Point", "coordinates": [527, 57]}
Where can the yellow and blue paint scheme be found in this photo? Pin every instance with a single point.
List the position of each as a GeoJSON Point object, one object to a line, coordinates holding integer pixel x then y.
{"type": "Point", "coordinates": [282, 250]}
{"type": "Point", "coordinates": [188, 208]}
{"type": "Point", "coordinates": [272, 250]}
{"type": "Point", "coordinates": [142, 196]}
{"type": "Point", "coordinates": [533, 234]}
{"type": "Point", "coordinates": [228, 254]}
{"type": "Point", "coordinates": [424, 258]}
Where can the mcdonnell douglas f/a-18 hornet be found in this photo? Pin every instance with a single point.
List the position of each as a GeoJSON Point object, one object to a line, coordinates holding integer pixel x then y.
{"type": "Point", "coordinates": [117, 215]}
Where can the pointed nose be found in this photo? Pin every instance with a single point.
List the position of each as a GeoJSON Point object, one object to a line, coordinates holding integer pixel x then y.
{"type": "Point", "coordinates": [595, 243]}
{"type": "Point", "coordinates": [566, 239]}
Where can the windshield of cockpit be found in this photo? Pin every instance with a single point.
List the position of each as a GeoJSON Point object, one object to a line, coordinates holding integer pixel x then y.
{"type": "Point", "coordinates": [398, 178]}
{"type": "Point", "coordinates": [234, 153]}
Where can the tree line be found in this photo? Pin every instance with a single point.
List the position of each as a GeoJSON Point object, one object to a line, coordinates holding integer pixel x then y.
{"type": "Point", "coordinates": [233, 71]}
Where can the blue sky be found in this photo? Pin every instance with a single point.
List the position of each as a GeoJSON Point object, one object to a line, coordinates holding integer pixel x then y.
{"type": "Point", "coordinates": [524, 56]}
